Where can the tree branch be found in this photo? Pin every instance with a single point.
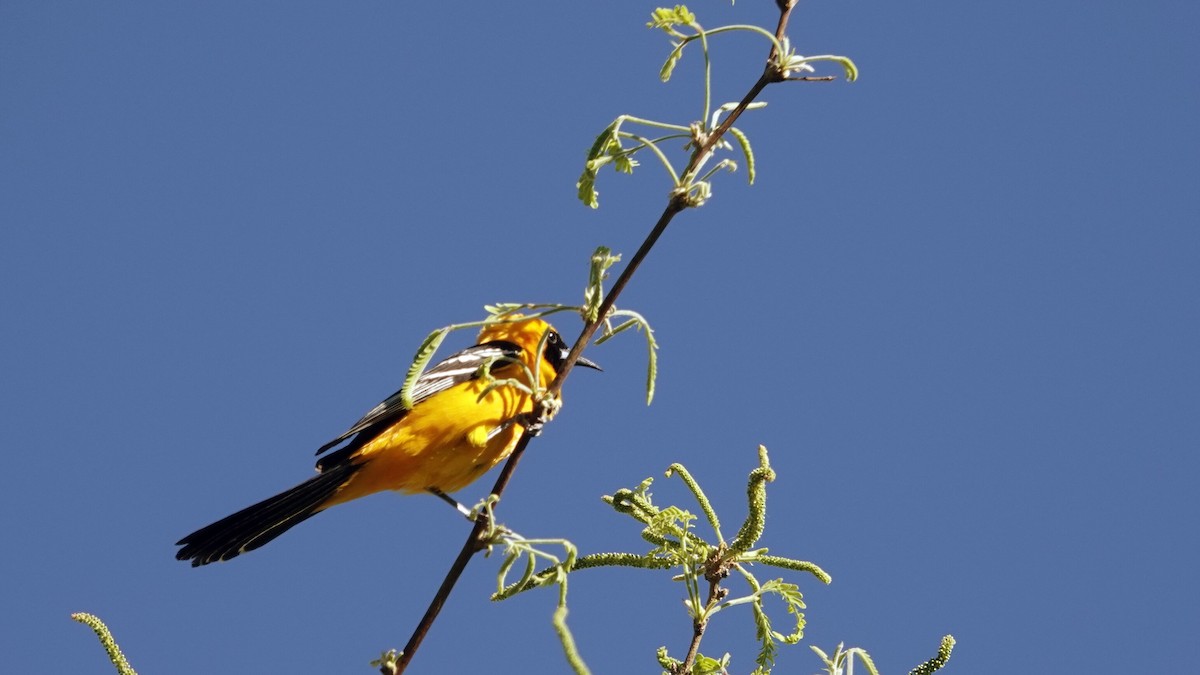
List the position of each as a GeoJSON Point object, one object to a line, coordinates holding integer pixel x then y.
{"type": "Point", "coordinates": [677, 203]}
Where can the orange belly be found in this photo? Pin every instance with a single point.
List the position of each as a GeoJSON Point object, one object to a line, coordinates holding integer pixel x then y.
{"type": "Point", "coordinates": [445, 446]}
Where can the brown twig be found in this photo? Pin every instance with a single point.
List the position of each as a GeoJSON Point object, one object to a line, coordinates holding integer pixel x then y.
{"type": "Point", "coordinates": [677, 203]}
{"type": "Point", "coordinates": [715, 595]}
{"type": "Point", "coordinates": [471, 546]}
{"type": "Point", "coordinates": [716, 569]}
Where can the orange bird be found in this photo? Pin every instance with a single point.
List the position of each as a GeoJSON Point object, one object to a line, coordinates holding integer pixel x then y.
{"type": "Point", "coordinates": [464, 420]}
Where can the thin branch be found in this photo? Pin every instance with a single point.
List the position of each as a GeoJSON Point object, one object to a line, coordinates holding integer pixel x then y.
{"type": "Point", "coordinates": [470, 547]}
{"type": "Point", "coordinates": [698, 627]}
{"type": "Point", "coordinates": [677, 203]}
{"type": "Point", "coordinates": [585, 337]}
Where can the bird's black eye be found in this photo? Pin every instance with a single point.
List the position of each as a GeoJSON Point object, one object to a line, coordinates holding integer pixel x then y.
{"type": "Point", "coordinates": [556, 354]}
{"type": "Point", "coordinates": [556, 350]}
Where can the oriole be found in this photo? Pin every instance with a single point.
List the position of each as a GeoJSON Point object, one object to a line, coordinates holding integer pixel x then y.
{"type": "Point", "coordinates": [455, 431]}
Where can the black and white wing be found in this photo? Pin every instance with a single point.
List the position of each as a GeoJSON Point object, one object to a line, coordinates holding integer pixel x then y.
{"type": "Point", "coordinates": [454, 369]}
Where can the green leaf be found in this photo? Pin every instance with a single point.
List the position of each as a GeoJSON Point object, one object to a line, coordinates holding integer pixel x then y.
{"type": "Point", "coordinates": [821, 653]}
{"type": "Point", "coordinates": [744, 143]}
{"type": "Point", "coordinates": [790, 593]}
{"type": "Point", "coordinates": [668, 67]}
{"type": "Point", "coordinates": [706, 665]}
{"type": "Point", "coordinates": [501, 308]}
{"type": "Point", "coordinates": [668, 19]}
{"type": "Point", "coordinates": [762, 630]}
{"type": "Point", "coordinates": [797, 62]}
{"type": "Point", "coordinates": [585, 189]}
{"type": "Point", "coordinates": [638, 321]}
{"type": "Point", "coordinates": [864, 657]}
{"type": "Point", "coordinates": [851, 69]}
{"type": "Point", "coordinates": [593, 295]}
{"type": "Point", "coordinates": [651, 366]}
{"type": "Point", "coordinates": [602, 152]}
{"type": "Point", "coordinates": [423, 357]}
{"type": "Point", "coordinates": [624, 162]}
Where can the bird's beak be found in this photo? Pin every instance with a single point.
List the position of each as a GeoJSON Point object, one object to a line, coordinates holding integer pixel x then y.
{"type": "Point", "coordinates": [586, 363]}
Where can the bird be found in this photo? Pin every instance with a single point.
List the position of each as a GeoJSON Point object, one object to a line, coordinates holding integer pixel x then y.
{"type": "Point", "coordinates": [467, 415]}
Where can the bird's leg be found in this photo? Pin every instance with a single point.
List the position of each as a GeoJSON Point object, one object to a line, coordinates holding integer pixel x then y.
{"type": "Point", "coordinates": [452, 502]}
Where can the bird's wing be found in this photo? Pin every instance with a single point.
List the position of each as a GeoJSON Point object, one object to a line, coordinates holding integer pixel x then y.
{"type": "Point", "coordinates": [454, 369]}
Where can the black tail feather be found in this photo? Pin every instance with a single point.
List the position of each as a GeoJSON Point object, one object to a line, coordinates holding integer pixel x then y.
{"type": "Point", "coordinates": [256, 525]}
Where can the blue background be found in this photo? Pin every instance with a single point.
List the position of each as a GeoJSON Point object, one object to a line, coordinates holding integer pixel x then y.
{"type": "Point", "coordinates": [959, 307]}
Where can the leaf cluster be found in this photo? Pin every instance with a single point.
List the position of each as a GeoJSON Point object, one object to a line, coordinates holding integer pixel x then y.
{"type": "Point", "coordinates": [700, 563]}
{"type": "Point", "coordinates": [617, 145]}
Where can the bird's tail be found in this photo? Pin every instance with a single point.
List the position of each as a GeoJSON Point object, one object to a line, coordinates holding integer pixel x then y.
{"type": "Point", "coordinates": [256, 525]}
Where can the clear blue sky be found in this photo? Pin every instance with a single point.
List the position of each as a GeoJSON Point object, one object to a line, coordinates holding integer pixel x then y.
{"type": "Point", "coordinates": [960, 306]}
